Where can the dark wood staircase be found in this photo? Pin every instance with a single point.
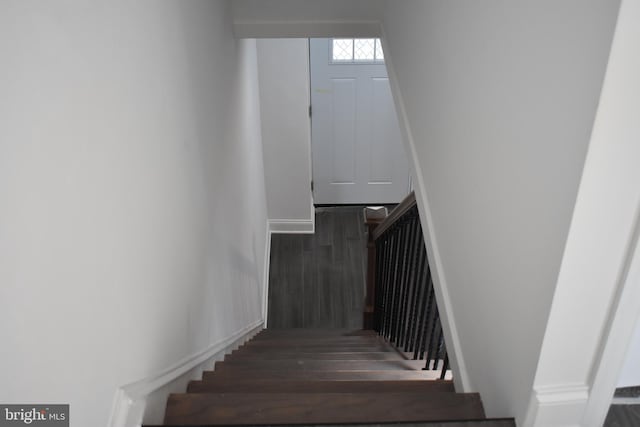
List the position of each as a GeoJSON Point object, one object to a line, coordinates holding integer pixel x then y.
{"type": "Point", "coordinates": [314, 377]}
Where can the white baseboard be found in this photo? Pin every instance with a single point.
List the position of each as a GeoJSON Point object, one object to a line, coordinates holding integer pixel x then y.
{"type": "Point", "coordinates": [145, 400]}
{"type": "Point", "coordinates": [557, 406]}
{"type": "Point", "coordinates": [292, 226]}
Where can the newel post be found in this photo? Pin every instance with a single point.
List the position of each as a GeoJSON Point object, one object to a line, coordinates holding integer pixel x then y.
{"type": "Point", "coordinates": [372, 218]}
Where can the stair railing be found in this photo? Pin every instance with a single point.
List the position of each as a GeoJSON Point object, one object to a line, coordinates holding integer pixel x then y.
{"type": "Point", "coordinates": [400, 303]}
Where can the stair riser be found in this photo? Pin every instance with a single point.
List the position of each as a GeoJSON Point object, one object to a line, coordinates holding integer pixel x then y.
{"type": "Point", "coordinates": [322, 375]}
{"type": "Point", "coordinates": [318, 349]}
{"type": "Point", "coordinates": [335, 338]}
{"type": "Point", "coordinates": [314, 356]}
{"type": "Point", "coordinates": [306, 386]}
{"type": "Point", "coordinates": [359, 346]}
{"type": "Point", "coordinates": [321, 365]}
{"type": "Point", "coordinates": [313, 333]}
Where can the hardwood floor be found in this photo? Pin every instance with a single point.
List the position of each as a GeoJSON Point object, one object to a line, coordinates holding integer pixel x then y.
{"type": "Point", "coordinates": [628, 392]}
{"type": "Point", "coordinates": [317, 280]}
{"type": "Point", "coordinates": [623, 416]}
{"type": "Point", "coordinates": [625, 410]}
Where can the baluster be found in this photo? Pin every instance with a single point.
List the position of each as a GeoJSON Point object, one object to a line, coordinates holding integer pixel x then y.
{"type": "Point", "coordinates": [404, 281]}
{"type": "Point", "coordinates": [379, 274]}
{"type": "Point", "coordinates": [402, 261]}
{"type": "Point", "coordinates": [431, 330]}
{"type": "Point", "coordinates": [388, 239]}
{"type": "Point", "coordinates": [434, 341]}
{"type": "Point", "coordinates": [422, 317]}
{"type": "Point", "coordinates": [396, 274]}
{"type": "Point", "coordinates": [438, 355]}
{"type": "Point", "coordinates": [411, 278]}
{"type": "Point", "coordinates": [417, 297]}
{"type": "Point", "coordinates": [429, 322]}
{"type": "Point", "coordinates": [392, 279]}
{"type": "Point", "coordinates": [386, 283]}
{"type": "Point", "coordinates": [393, 289]}
{"type": "Point", "coordinates": [445, 365]}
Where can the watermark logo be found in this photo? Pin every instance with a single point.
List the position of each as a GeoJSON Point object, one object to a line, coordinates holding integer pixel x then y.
{"type": "Point", "coordinates": [34, 415]}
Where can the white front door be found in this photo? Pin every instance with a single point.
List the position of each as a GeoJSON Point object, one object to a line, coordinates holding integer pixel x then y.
{"type": "Point", "coordinates": [356, 144]}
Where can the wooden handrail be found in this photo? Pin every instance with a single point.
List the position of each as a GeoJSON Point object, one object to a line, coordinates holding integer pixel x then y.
{"type": "Point", "coordinates": [396, 214]}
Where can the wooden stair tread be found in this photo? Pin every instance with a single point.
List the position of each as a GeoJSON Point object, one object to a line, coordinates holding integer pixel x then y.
{"type": "Point", "coordinates": [322, 375]}
{"type": "Point", "coordinates": [315, 332]}
{"type": "Point", "coordinates": [317, 386]}
{"type": "Point", "coordinates": [355, 355]}
{"type": "Point", "coordinates": [319, 408]}
{"type": "Point", "coordinates": [319, 338]}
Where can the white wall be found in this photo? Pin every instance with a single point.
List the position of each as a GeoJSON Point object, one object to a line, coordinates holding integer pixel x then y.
{"type": "Point", "coordinates": [283, 68]}
{"type": "Point", "coordinates": [132, 201]}
{"type": "Point", "coordinates": [499, 100]}
{"type": "Point", "coordinates": [630, 375]}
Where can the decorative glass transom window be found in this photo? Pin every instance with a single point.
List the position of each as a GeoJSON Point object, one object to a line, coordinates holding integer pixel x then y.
{"type": "Point", "coordinates": [356, 51]}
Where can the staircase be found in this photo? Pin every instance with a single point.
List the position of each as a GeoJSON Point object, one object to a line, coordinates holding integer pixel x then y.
{"type": "Point", "coordinates": [311, 377]}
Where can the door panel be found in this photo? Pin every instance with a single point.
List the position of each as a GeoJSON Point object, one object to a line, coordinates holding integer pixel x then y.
{"type": "Point", "coordinates": [356, 144]}
{"type": "Point", "coordinates": [384, 127]}
{"type": "Point", "coordinates": [343, 142]}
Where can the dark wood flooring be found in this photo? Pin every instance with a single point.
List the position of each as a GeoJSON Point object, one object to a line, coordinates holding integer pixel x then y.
{"type": "Point", "coordinates": [628, 392]}
{"type": "Point", "coordinates": [623, 416]}
{"type": "Point", "coordinates": [317, 280]}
